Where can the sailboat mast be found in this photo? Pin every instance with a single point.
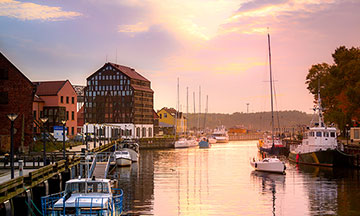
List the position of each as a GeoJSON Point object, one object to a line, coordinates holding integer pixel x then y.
{"type": "Point", "coordinates": [271, 93]}
{"type": "Point", "coordinates": [177, 107]}
{"type": "Point", "coordinates": [187, 108]}
{"type": "Point", "coordinates": [199, 108]}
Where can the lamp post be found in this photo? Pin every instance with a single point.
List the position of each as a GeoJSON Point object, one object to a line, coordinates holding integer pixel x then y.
{"type": "Point", "coordinates": [64, 150]}
{"type": "Point", "coordinates": [86, 136]}
{"type": "Point", "coordinates": [44, 120]}
{"type": "Point", "coordinates": [94, 136]}
{"type": "Point", "coordinates": [12, 118]}
{"type": "Point", "coordinates": [347, 133]}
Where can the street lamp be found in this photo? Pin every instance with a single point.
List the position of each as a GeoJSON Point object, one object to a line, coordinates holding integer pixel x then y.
{"type": "Point", "coordinates": [86, 136]}
{"type": "Point", "coordinates": [44, 120]}
{"type": "Point", "coordinates": [12, 118]}
{"type": "Point", "coordinates": [347, 134]}
{"type": "Point", "coordinates": [94, 136]}
{"type": "Point", "coordinates": [64, 153]}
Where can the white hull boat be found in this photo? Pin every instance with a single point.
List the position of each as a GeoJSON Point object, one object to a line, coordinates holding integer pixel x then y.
{"type": "Point", "coordinates": [212, 140]}
{"type": "Point", "coordinates": [221, 135]}
{"type": "Point", "coordinates": [181, 143]}
{"type": "Point", "coordinates": [122, 158]}
{"type": "Point", "coordinates": [269, 165]}
{"type": "Point", "coordinates": [133, 149]}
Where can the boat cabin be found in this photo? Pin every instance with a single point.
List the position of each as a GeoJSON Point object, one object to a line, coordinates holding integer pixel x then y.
{"type": "Point", "coordinates": [318, 139]}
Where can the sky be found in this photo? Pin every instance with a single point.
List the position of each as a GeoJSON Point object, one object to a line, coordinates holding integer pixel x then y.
{"type": "Point", "coordinates": [220, 45]}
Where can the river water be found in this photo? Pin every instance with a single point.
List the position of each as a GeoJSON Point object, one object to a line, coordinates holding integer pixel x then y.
{"type": "Point", "coordinates": [220, 181]}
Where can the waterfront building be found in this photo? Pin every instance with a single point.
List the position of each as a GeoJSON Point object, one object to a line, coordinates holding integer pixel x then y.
{"type": "Point", "coordinates": [56, 100]}
{"type": "Point", "coordinates": [168, 117]}
{"type": "Point", "coordinates": [16, 96]}
{"type": "Point", "coordinates": [121, 100]}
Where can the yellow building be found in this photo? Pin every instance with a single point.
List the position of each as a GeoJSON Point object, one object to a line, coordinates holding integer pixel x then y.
{"type": "Point", "coordinates": [167, 118]}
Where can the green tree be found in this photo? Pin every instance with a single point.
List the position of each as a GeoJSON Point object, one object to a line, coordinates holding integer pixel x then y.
{"type": "Point", "coordinates": [339, 86]}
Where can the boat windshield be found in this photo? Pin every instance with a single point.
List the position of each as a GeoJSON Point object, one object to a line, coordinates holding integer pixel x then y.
{"type": "Point", "coordinates": [92, 187]}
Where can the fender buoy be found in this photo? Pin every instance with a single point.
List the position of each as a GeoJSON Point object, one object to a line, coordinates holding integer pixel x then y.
{"type": "Point", "coordinates": [297, 158]}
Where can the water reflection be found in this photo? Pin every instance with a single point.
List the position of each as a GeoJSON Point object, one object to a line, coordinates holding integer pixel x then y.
{"type": "Point", "coordinates": [269, 182]}
{"type": "Point", "coordinates": [220, 181]}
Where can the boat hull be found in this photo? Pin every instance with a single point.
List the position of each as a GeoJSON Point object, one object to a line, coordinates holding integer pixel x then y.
{"type": "Point", "coordinates": [204, 144]}
{"type": "Point", "coordinates": [133, 154]}
{"type": "Point", "coordinates": [268, 167]}
{"type": "Point", "coordinates": [328, 158]}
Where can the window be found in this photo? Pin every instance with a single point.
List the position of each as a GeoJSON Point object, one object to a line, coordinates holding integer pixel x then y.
{"type": "Point", "coordinates": [4, 74]}
{"type": "Point", "coordinates": [160, 116]}
{"type": "Point", "coordinates": [34, 114]}
{"type": "Point", "coordinates": [72, 100]}
{"type": "Point", "coordinates": [165, 115]}
{"type": "Point", "coordinates": [62, 99]}
{"type": "Point", "coordinates": [326, 134]}
{"type": "Point", "coordinates": [144, 132]}
{"type": "Point", "coordinates": [150, 132]}
{"type": "Point", "coordinates": [67, 115]}
{"type": "Point", "coordinates": [138, 132]}
{"type": "Point", "coordinates": [72, 115]}
{"type": "Point", "coordinates": [67, 99]}
{"type": "Point", "coordinates": [318, 133]}
{"type": "Point", "coordinates": [356, 133]}
{"type": "Point", "coordinates": [72, 131]}
{"type": "Point", "coordinates": [41, 114]}
{"type": "Point", "coordinates": [332, 134]}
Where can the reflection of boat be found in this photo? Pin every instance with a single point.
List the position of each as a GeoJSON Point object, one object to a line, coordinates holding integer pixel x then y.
{"type": "Point", "coordinates": [268, 176]}
{"type": "Point", "coordinates": [84, 197]}
{"type": "Point", "coordinates": [122, 158]}
{"type": "Point", "coordinates": [132, 147]}
{"type": "Point", "coordinates": [221, 135]}
{"type": "Point", "coordinates": [319, 146]}
{"type": "Point", "coordinates": [204, 143]}
{"type": "Point", "coordinates": [269, 165]}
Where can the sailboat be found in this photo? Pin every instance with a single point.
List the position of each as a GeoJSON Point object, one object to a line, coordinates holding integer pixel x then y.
{"type": "Point", "coordinates": [271, 144]}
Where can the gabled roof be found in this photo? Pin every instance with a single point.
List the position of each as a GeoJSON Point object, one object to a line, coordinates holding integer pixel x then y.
{"type": "Point", "coordinates": [4, 57]}
{"type": "Point", "coordinates": [130, 72]}
{"type": "Point", "coordinates": [172, 112]}
{"type": "Point", "coordinates": [47, 88]}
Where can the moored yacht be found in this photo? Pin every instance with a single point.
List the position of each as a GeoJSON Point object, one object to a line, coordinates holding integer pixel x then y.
{"type": "Point", "coordinates": [221, 135]}
{"type": "Point", "coordinates": [319, 145]}
{"type": "Point", "coordinates": [84, 197]}
{"type": "Point", "coordinates": [122, 158]}
{"type": "Point", "coordinates": [132, 147]}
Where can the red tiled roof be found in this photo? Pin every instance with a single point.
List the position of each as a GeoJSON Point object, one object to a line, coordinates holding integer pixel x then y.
{"type": "Point", "coordinates": [142, 88]}
{"type": "Point", "coordinates": [48, 87]}
{"type": "Point", "coordinates": [130, 72]}
{"type": "Point", "coordinates": [155, 115]}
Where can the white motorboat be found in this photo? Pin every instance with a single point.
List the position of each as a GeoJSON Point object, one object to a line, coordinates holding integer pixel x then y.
{"type": "Point", "coordinates": [221, 135]}
{"type": "Point", "coordinates": [192, 142]}
{"type": "Point", "coordinates": [133, 148]}
{"type": "Point", "coordinates": [268, 165]}
{"type": "Point", "coordinates": [181, 143]}
{"type": "Point", "coordinates": [212, 140]}
{"type": "Point", "coordinates": [122, 158]}
{"type": "Point", "coordinates": [84, 197]}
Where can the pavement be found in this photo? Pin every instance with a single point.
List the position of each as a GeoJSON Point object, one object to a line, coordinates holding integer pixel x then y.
{"type": "Point", "coordinates": [7, 176]}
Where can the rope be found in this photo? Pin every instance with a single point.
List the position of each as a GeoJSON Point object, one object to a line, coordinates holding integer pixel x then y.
{"type": "Point", "coordinates": [31, 211]}
{"type": "Point", "coordinates": [33, 203]}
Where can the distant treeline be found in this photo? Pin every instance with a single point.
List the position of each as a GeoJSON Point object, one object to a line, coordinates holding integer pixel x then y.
{"type": "Point", "coordinates": [252, 121]}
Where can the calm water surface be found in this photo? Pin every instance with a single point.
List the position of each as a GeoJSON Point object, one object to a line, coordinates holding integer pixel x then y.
{"type": "Point", "coordinates": [220, 181]}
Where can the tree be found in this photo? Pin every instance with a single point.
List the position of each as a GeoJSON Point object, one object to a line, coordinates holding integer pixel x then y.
{"type": "Point", "coordinates": [339, 86]}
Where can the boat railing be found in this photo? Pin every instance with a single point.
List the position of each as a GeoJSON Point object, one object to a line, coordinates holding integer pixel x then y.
{"type": "Point", "coordinates": [105, 207]}
{"type": "Point", "coordinates": [117, 199]}
{"type": "Point", "coordinates": [107, 166]}
{"type": "Point", "coordinates": [91, 170]}
{"type": "Point", "coordinates": [47, 202]}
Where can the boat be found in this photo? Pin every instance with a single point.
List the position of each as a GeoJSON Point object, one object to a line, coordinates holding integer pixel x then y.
{"type": "Point", "coordinates": [122, 158]}
{"type": "Point", "coordinates": [84, 196]}
{"type": "Point", "coordinates": [204, 143]}
{"type": "Point", "coordinates": [132, 147]}
{"type": "Point", "coordinates": [319, 145]}
{"type": "Point", "coordinates": [221, 135]}
{"type": "Point", "coordinates": [192, 142]}
{"type": "Point", "coordinates": [271, 144]}
{"type": "Point", "coordinates": [268, 165]}
{"type": "Point", "coordinates": [211, 140]}
{"type": "Point", "coordinates": [181, 143]}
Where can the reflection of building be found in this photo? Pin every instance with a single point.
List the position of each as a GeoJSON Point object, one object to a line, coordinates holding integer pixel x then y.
{"type": "Point", "coordinates": [57, 101]}
{"type": "Point", "coordinates": [167, 118]}
{"type": "Point", "coordinates": [156, 123]}
{"type": "Point", "coordinates": [16, 96]}
{"type": "Point", "coordinates": [119, 96]}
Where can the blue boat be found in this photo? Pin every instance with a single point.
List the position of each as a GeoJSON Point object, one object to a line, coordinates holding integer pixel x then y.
{"type": "Point", "coordinates": [204, 143]}
{"type": "Point", "coordinates": [84, 197]}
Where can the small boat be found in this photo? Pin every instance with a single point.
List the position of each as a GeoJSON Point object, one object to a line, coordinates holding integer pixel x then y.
{"type": "Point", "coordinates": [122, 158]}
{"type": "Point", "coordinates": [204, 143]}
{"type": "Point", "coordinates": [84, 196]}
{"type": "Point", "coordinates": [268, 165]}
{"type": "Point", "coordinates": [221, 135]}
{"type": "Point", "coordinates": [132, 147]}
{"type": "Point", "coordinates": [270, 146]}
{"type": "Point", "coordinates": [211, 140]}
{"type": "Point", "coordinates": [181, 143]}
{"type": "Point", "coordinates": [192, 142]}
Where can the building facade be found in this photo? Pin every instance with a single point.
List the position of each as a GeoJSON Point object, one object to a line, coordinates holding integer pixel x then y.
{"type": "Point", "coordinates": [168, 117]}
{"type": "Point", "coordinates": [16, 96]}
{"type": "Point", "coordinates": [59, 103]}
{"type": "Point", "coordinates": [119, 96]}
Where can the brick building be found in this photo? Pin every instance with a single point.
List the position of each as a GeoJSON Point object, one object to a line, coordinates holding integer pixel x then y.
{"type": "Point", "coordinates": [56, 100]}
{"type": "Point", "coordinates": [16, 96]}
{"type": "Point", "coordinates": [120, 97]}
